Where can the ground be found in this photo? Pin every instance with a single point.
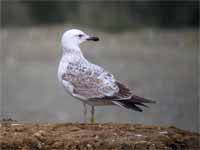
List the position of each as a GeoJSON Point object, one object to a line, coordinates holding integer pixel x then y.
{"type": "Point", "coordinates": [76, 136]}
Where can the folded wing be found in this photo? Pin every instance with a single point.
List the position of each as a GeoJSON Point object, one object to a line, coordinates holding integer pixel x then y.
{"type": "Point", "coordinates": [94, 83]}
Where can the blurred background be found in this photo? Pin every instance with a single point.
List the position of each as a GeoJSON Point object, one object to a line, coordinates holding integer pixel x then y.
{"type": "Point", "coordinates": [151, 46]}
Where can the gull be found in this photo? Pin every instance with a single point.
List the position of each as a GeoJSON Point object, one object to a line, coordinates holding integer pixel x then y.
{"type": "Point", "coordinates": [90, 83]}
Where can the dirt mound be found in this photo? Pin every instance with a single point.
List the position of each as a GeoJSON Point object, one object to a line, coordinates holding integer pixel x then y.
{"type": "Point", "coordinates": [75, 136]}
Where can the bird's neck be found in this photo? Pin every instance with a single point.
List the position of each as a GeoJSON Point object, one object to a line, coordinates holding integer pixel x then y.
{"type": "Point", "coordinates": [72, 51]}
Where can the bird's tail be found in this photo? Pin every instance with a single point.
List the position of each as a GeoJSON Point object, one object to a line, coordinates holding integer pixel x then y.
{"type": "Point", "coordinates": [133, 103]}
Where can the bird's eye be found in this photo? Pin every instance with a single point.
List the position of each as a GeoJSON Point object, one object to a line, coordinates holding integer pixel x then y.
{"type": "Point", "coordinates": [80, 35]}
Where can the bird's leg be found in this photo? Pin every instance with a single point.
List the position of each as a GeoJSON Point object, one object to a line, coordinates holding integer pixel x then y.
{"type": "Point", "coordinates": [92, 115]}
{"type": "Point", "coordinates": [84, 113]}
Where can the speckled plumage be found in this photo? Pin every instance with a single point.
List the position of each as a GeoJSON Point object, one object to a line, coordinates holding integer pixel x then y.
{"type": "Point", "coordinates": [87, 80]}
{"type": "Point", "coordinates": [91, 83]}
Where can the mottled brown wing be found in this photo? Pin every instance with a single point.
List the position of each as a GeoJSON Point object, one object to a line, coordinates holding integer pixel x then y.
{"type": "Point", "coordinates": [90, 83]}
{"type": "Point", "coordinates": [123, 93]}
{"type": "Point", "coordinates": [125, 99]}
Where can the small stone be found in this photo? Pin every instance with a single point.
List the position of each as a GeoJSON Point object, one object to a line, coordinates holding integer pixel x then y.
{"type": "Point", "coordinates": [74, 129]}
{"type": "Point", "coordinates": [96, 137]}
{"type": "Point", "coordinates": [89, 145]}
{"type": "Point", "coordinates": [39, 134]}
{"type": "Point", "coordinates": [163, 132]}
{"type": "Point", "coordinates": [138, 135]}
{"type": "Point", "coordinates": [115, 134]}
{"type": "Point", "coordinates": [15, 124]}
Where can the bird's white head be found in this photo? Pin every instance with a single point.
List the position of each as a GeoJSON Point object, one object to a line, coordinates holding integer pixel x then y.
{"type": "Point", "coordinates": [71, 39]}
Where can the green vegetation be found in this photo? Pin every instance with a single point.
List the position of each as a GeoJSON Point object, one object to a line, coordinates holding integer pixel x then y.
{"type": "Point", "coordinates": [109, 16]}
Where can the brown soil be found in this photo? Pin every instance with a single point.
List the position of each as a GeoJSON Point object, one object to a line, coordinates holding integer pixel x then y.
{"type": "Point", "coordinates": [75, 136]}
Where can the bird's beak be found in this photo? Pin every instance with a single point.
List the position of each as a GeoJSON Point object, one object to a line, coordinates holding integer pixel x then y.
{"type": "Point", "coordinates": [92, 38]}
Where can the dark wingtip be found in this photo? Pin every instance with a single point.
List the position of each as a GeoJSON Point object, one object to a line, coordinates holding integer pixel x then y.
{"type": "Point", "coordinates": [142, 100]}
{"type": "Point", "coordinates": [134, 103]}
{"type": "Point", "coordinates": [128, 105]}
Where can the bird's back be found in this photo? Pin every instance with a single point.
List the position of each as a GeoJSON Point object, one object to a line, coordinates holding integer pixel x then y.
{"type": "Point", "coordinates": [89, 80]}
